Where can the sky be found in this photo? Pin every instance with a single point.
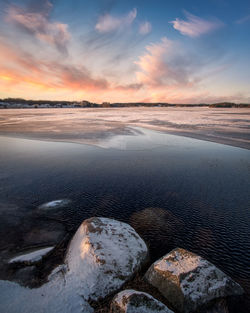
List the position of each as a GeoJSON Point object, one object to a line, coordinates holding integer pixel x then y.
{"type": "Point", "coordinates": [125, 51]}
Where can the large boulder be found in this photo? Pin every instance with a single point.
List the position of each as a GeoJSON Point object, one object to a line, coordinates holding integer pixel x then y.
{"type": "Point", "coordinates": [157, 221]}
{"type": "Point", "coordinates": [131, 301]}
{"type": "Point", "coordinates": [160, 227]}
{"type": "Point", "coordinates": [188, 281]}
{"type": "Point", "coordinates": [102, 255]}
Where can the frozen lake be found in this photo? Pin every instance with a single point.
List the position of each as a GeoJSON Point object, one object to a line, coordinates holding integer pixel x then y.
{"type": "Point", "coordinates": [229, 126]}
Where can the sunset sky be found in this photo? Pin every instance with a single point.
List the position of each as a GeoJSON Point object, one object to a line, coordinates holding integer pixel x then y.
{"type": "Point", "coordinates": [126, 51]}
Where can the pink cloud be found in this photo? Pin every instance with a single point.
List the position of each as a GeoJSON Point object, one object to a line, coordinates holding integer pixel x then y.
{"type": "Point", "coordinates": [108, 23]}
{"type": "Point", "coordinates": [38, 24]}
{"type": "Point", "coordinates": [145, 28]}
{"type": "Point", "coordinates": [19, 69]}
{"type": "Point", "coordinates": [164, 64]}
{"type": "Point", "coordinates": [195, 26]}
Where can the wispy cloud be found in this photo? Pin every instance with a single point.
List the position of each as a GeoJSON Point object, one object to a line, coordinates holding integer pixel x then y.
{"type": "Point", "coordinates": [37, 23]}
{"type": "Point", "coordinates": [108, 23]}
{"type": "Point", "coordinates": [25, 68]}
{"type": "Point", "coordinates": [145, 28]}
{"type": "Point", "coordinates": [22, 69]}
{"type": "Point", "coordinates": [243, 20]}
{"type": "Point", "coordinates": [195, 26]}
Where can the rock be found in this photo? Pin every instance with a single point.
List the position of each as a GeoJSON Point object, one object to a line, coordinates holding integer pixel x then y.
{"type": "Point", "coordinates": [188, 281]}
{"type": "Point", "coordinates": [25, 274]}
{"type": "Point", "coordinates": [157, 226]}
{"type": "Point", "coordinates": [46, 233]}
{"type": "Point", "coordinates": [103, 255]}
{"type": "Point", "coordinates": [156, 220]}
{"type": "Point", "coordinates": [131, 301]}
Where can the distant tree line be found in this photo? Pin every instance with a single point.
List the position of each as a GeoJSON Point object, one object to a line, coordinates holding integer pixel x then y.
{"type": "Point", "coordinates": [23, 103]}
{"type": "Point", "coordinates": [229, 105]}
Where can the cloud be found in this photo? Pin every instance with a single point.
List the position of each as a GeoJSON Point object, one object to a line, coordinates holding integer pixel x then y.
{"type": "Point", "coordinates": [194, 97]}
{"type": "Point", "coordinates": [243, 20]}
{"type": "Point", "coordinates": [108, 23]}
{"type": "Point", "coordinates": [145, 28]}
{"type": "Point", "coordinates": [24, 74]}
{"type": "Point", "coordinates": [38, 24]}
{"type": "Point", "coordinates": [23, 69]}
{"type": "Point", "coordinates": [195, 26]}
{"type": "Point", "coordinates": [164, 64]}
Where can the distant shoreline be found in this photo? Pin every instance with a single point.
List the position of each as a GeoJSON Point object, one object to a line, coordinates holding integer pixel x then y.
{"type": "Point", "coordinates": [11, 103]}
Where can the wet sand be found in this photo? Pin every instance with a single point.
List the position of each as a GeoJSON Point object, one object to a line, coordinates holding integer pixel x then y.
{"type": "Point", "coordinates": [91, 126]}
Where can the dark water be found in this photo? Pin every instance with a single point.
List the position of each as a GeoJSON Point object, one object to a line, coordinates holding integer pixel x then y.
{"type": "Point", "coordinates": [173, 190]}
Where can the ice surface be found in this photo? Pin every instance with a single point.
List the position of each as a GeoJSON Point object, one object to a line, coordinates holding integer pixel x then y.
{"type": "Point", "coordinates": [92, 126]}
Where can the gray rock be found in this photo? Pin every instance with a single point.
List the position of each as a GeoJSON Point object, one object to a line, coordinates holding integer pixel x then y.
{"type": "Point", "coordinates": [188, 281]}
{"type": "Point", "coordinates": [131, 301]}
{"type": "Point", "coordinates": [156, 220]}
{"type": "Point", "coordinates": [45, 233]}
{"type": "Point", "coordinates": [24, 274]}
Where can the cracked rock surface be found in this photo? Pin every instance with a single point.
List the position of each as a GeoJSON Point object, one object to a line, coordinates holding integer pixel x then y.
{"type": "Point", "coordinates": [188, 281]}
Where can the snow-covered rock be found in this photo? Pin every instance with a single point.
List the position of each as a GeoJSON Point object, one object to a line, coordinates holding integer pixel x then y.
{"type": "Point", "coordinates": [102, 255]}
{"type": "Point", "coordinates": [131, 301]}
{"type": "Point", "coordinates": [31, 257]}
{"type": "Point", "coordinates": [188, 281]}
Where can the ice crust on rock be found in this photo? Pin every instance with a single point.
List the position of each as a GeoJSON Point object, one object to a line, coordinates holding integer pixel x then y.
{"type": "Point", "coordinates": [188, 281]}
{"type": "Point", "coordinates": [31, 257]}
{"type": "Point", "coordinates": [132, 301]}
{"type": "Point", "coordinates": [102, 255]}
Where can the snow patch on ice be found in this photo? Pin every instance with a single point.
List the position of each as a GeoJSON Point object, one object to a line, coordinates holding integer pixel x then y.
{"type": "Point", "coordinates": [55, 204]}
{"type": "Point", "coordinates": [33, 256]}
